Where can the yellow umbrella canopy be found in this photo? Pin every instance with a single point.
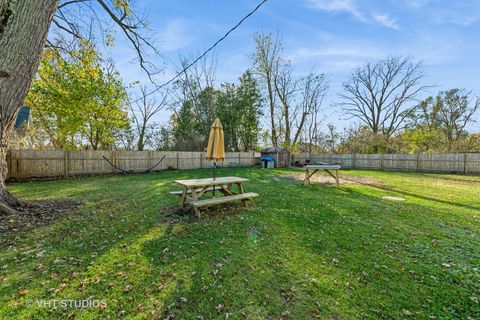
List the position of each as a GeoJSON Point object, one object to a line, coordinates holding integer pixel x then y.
{"type": "Point", "coordinates": [216, 147]}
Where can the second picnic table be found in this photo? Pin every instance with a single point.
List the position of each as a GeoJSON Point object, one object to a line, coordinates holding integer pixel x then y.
{"type": "Point", "coordinates": [326, 167]}
{"type": "Point", "coordinates": [193, 189]}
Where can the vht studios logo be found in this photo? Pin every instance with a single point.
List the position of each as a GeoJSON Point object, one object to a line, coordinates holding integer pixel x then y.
{"type": "Point", "coordinates": [67, 303]}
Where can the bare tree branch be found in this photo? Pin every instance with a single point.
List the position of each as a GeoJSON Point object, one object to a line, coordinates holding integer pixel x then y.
{"type": "Point", "coordinates": [378, 94]}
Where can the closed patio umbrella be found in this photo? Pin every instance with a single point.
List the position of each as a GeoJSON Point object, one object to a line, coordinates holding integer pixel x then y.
{"type": "Point", "coordinates": [216, 147]}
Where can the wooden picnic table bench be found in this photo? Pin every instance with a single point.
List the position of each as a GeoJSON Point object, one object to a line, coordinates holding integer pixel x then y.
{"type": "Point", "coordinates": [193, 189]}
{"type": "Point", "coordinates": [326, 167]}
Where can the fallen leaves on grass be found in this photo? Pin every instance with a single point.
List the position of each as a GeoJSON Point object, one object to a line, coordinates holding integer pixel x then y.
{"type": "Point", "coordinates": [23, 292]}
{"type": "Point", "coordinates": [36, 213]}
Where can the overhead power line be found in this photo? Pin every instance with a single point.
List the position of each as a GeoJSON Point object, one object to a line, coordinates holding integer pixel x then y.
{"type": "Point", "coordinates": [206, 51]}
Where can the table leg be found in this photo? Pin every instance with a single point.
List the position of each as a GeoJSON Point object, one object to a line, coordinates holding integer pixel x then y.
{"type": "Point", "coordinates": [226, 189]}
{"type": "Point", "coordinates": [240, 188]}
{"type": "Point", "coordinates": [308, 175]}
{"type": "Point", "coordinates": [332, 175]}
{"type": "Point", "coordinates": [240, 191]}
{"type": "Point", "coordinates": [194, 197]}
{"type": "Point", "coordinates": [183, 197]}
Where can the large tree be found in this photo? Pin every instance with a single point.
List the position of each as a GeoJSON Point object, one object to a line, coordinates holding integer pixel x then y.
{"type": "Point", "coordinates": [239, 109]}
{"type": "Point", "coordinates": [23, 31]}
{"type": "Point", "coordinates": [266, 61]}
{"type": "Point", "coordinates": [458, 106]}
{"type": "Point", "coordinates": [380, 94]}
{"type": "Point", "coordinates": [237, 106]}
{"type": "Point", "coordinates": [313, 95]}
{"type": "Point", "coordinates": [78, 99]}
{"type": "Point", "coordinates": [438, 123]}
{"type": "Point", "coordinates": [24, 26]}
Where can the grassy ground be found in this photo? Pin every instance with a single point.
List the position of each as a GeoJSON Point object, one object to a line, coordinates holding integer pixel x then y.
{"type": "Point", "coordinates": [302, 252]}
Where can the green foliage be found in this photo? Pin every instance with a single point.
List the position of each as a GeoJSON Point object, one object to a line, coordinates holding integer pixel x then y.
{"type": "Point", "coordinates": [185, 129]}
{"type": "Point", "coordinates": [239, 110]}
{"type": "Point", "coordinates": [422, 139]}
{"type": "Point", "coordinates": [77, 99]}
{"type": "Point", "coordinates": [237, 107]}
{"type": "Point", "coordinates": [363, 140]}
{"type": "Point", "coordinates": [438, 123]}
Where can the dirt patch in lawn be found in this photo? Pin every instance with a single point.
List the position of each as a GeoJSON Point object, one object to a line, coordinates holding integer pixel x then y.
{"type": "Point", "coordinates": [37, 212]}
{"type": "Point", "coordinates": [324, 178]}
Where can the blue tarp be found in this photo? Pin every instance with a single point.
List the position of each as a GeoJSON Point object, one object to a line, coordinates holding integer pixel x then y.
{"type": "Point", "coordinates": [267, 159]}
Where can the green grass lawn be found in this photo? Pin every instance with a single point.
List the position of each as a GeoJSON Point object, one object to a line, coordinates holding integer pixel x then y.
{"type": "Point", "coordinates": [300, 252]}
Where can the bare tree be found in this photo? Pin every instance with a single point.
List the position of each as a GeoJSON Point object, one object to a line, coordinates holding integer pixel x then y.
{"type": "Point", "coordinates": [298, 97]}
{"type": "Point", "coordinates": [85, 19]}
{"type": "Point", "coordinates": [196, 79]}
{"type": "Point", "coordinates": [24, 25]}
{"type": "Point", "coordinates": [144, 110]}
{"type": "Point", "coordinates": [378, 93]}
{"type": "Point", "coordinates": [286, 86]}
{"type": "Point", "coordinates": [313, 89]}
{"type": "Point", "coordinates": [314, 94]}
{"type": "Point", "coordinates": [266, 62]}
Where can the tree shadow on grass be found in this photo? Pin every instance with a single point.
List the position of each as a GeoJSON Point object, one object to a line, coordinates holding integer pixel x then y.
{"type": "Point", "coordinates": [451, 177]}
{"type": "Point", "coordinates": [383, 259]}
{"type": "Point", "coordinates": [416, 195]}
{"type": "Point", "coordinates": [221, 269]}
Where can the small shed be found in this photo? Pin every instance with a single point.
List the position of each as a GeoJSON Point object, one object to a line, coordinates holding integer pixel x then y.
{"type": "Point", "coordinates": [281, 156]}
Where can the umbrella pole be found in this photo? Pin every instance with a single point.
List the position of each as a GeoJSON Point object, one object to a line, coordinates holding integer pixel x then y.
{"type": "Point", "coordinates": [214, 175]}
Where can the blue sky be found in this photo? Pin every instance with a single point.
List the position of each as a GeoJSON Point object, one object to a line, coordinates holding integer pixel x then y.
{"type": "Point", "coordinates": [331, 37]}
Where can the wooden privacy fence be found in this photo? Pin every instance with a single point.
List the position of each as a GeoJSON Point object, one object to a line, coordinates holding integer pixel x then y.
{"type": "Point", "coordinates": [466, 163]}
{"type": "Point", "coordinates": [26, 164]}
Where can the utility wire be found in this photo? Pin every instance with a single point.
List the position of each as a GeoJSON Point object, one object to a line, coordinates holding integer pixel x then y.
{"type": "Point", "coordinates": [204, 53]}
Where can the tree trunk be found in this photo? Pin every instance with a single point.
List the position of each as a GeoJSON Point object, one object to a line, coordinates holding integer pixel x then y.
{"type": "Point", "coordinates": [24, 27]}
{"type": "Point", "coordinates": [141, 138]}
{"type": "Point", "coordinates": [272, 111]}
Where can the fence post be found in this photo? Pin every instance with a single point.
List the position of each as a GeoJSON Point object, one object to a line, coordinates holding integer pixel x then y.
{"type": "Point", "coordinates": [114, 160]}
{"type": "Point", "coordinates": [9, 163]}
{"type": "Point", "coordinates": [253, 158]}
{"type": "Point", "coordinates": [417, 169]}
{"type": "Point", "coordinates": [465, 163]}
{"type": "Point", "coordinates": [201, 160]}
{"type": "Point", "coordinates": [151, 155]}
{"type": "Point", "coordinates": [178, 161]}
{"type": "Point", "coordinates": [65, 163]}
{"type": "Point", "coordinates": [381, 162]}
{"type": "Point", "coordinates": [353, 160]}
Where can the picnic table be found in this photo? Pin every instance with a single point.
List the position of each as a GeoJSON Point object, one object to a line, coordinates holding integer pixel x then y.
{"type": "Point", "coordinates": [311, 169]}
{"type": "Point", "coordinates": [194, 189]}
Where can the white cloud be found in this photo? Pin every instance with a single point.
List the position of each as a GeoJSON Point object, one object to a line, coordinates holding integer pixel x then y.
{"type": "Point", "coordinates": [351, 7]}
{"type": "Point", "coordinates": [417, 3]}
{"type": "Point", "coordinates": [386, 21]}
{"type": "Point", "coordinates": [174, 36]}
{"type": "Point", "coordinates": [340, 58]}
{"type": "Point", "coordinates": [463, 20]}
{"type": "Point", "coordinates": [347, 6]}
{"type": "Point", "coordinates": [340, 51]}
{"type": "Point", "coordinates": [461, 13]}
